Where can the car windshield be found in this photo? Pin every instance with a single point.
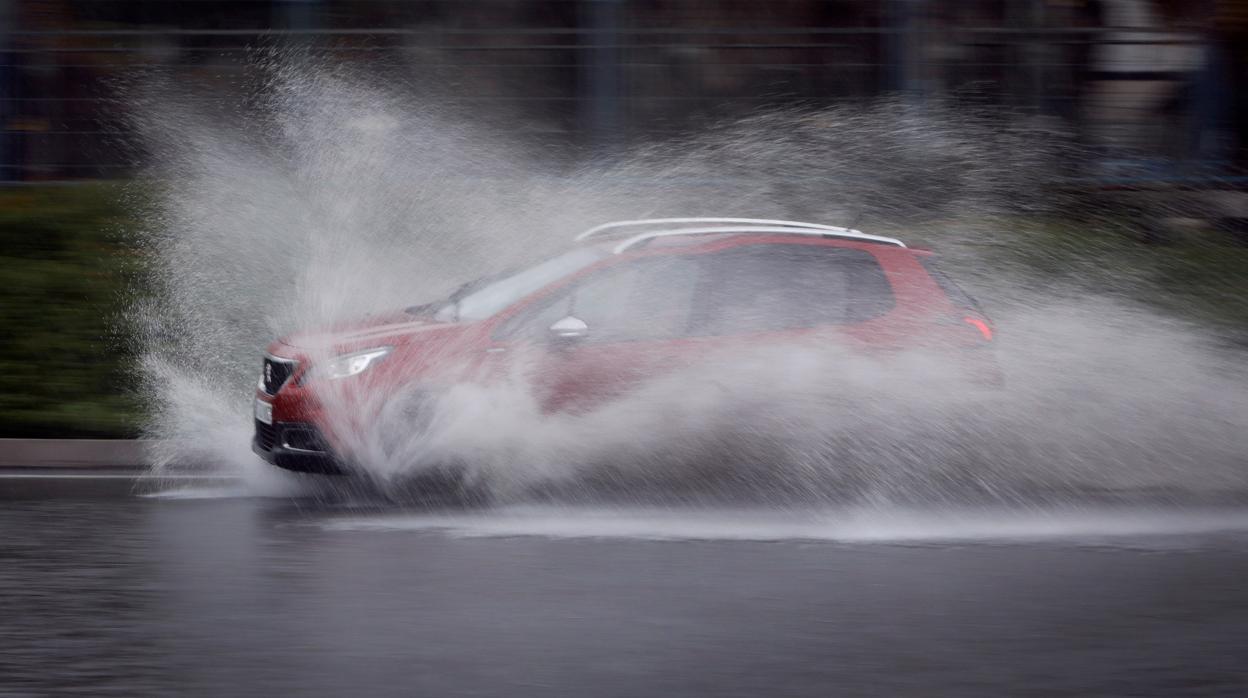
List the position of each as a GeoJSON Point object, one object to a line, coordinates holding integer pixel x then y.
{"type": "Point", "coordinates": [481, 299]}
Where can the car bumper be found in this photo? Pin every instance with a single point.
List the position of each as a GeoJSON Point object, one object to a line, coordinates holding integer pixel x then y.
{"type": "Point", "coordinates": [295, 446]}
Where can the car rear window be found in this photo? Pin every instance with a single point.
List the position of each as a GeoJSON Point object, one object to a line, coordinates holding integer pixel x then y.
{"type": "Point", "coordinates": [762, 288]}
{"type": "Point", "coordinates": [960, 298]}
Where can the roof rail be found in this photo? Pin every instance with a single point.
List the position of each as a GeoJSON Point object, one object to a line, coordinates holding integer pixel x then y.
{"type": "Point", "coordinates": [704, 221]}
{"type": "Point", "coordinates": [822, 231]}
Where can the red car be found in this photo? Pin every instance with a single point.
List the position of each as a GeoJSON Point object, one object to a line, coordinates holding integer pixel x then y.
{"type": "Point", "coordinates": [635, 300]}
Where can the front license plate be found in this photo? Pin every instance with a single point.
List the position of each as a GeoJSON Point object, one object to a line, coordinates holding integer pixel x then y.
{"type": "Point", "coordinates": [264, 411]}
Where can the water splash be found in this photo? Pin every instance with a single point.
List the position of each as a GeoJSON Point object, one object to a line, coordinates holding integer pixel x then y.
{"type": "Point", "coordinates": [325, 196]}
{"type": "Point", "coordinates": [1150, 529]}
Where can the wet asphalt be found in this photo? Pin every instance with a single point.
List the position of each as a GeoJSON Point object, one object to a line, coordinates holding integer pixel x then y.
{"type": "Point", "coordinates": [108, 590]}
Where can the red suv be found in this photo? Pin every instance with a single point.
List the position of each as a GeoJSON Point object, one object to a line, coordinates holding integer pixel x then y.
{"type": "Point", "coordinates": [635, 300]}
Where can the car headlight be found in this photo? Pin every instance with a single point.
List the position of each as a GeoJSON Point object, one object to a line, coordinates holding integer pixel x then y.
{"type": "Point", "coordinates": [353, 364]}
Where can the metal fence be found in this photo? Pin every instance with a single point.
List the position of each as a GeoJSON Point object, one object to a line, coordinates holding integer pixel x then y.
{"type": "Point", "coordinates": [1145, 90]}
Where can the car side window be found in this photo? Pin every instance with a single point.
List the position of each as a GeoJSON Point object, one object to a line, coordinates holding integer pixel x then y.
{"type": "Point", "coordinates": [765, 288]}
{"type": "Point", "coordinates": [645, 299]}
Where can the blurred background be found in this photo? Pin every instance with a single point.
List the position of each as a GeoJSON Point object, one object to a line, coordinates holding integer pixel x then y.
{"type": "Point", "coordinates": [1155, 85]}
{"type": "Point", "coordinates": [1153, 92]}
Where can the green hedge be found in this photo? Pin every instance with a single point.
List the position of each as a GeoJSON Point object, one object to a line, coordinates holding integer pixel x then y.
{"type": "Point", "coordinates": [64, 262]}
{"type": "Point", "coordinates": [67, 266]}
{"type": "Point", "coordinates": [1201, 277]}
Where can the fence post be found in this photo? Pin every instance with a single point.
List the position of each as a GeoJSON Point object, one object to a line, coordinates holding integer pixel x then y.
{"type": "Point", "coordinates": [600, 74]}
{"type": "Point", "coordinates": [299, 15]}
{"type": "Point", "coordinates": [906, 44]}
{"type": "Point", "coordinates": [9, 152]}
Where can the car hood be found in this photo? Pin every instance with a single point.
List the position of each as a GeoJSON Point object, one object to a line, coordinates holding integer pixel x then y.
{"type": "Point", "coordinates": [388, 330]}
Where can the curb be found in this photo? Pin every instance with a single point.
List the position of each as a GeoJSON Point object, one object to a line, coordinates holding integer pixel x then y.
{"type": "Point", "coordinates": [73, 453]}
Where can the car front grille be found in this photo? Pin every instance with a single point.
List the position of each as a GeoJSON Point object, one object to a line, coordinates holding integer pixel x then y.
{"type": "Point", "coordinates": [275, 372]}
{"type": "Point", "coordinates": [266, 435]}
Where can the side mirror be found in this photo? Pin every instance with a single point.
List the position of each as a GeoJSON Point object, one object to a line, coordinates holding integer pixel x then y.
{"type": "Point", "coordinates": [569, 329]}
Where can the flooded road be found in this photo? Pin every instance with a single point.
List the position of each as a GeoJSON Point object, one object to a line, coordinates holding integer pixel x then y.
{"type": "Point", "coordinates": [201, 593]}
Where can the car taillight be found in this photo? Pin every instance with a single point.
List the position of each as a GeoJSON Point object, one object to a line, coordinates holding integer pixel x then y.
{"type": "Point", "coordinates": [980, 324]}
